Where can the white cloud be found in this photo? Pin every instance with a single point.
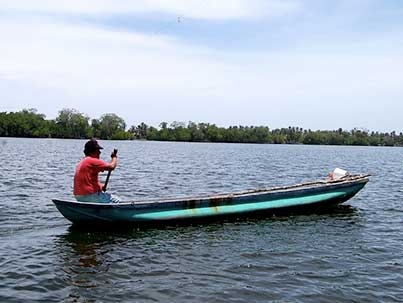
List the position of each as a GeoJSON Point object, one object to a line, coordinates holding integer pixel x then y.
{"type": "Point", "coordinates": [83, 66]}
{"type": "Point", "coordinates": [50, 64]}
{"type": "Point", "coordinates": [198, 9]}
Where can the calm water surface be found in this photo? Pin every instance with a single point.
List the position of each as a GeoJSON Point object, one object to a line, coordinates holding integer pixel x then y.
{"type": "Point", "coordinates": [353, 253]}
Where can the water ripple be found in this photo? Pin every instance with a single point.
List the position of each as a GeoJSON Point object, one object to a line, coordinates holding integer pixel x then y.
{"type": "Point", "coordinates": [352, 254]}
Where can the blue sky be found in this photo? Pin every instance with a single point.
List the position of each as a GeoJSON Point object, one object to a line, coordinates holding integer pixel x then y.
{"type": "Point", "coordinates": [306, 63]}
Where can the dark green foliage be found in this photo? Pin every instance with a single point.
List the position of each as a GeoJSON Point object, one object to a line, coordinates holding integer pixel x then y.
{"type": "Point", "coordinates": [25, 123]}
{"type": "Point", "coordinates": [110, 126]}
{"type": "Point", "coordinates": [204, 132]}
{"type": "Point", "coordinates": [72, 124]}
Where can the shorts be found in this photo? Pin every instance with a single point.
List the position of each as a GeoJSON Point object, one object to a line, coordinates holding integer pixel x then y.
{"type": "Point", "coordinates": [100, 197]}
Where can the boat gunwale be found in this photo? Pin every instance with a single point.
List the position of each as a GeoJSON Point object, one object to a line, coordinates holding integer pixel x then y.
{"type": "Point", "coordinates": [350, 179]}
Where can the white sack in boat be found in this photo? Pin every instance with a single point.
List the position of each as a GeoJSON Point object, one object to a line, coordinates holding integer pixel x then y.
{"type": "Point", "coordinates": [339, 173]}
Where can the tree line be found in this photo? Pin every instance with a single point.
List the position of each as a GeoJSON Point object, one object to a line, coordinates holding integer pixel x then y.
{"type": "Point", "coordinates": [69, 124]}
{"type": "Point", "coordinates": [75, 125]}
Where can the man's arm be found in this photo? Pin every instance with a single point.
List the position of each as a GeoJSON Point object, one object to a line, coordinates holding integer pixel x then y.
{"type": "Point", "coordinates": [114, 161]}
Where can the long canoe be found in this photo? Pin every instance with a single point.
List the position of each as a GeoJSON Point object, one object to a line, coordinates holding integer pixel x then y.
{"type": "Point", "coordinates": [322, 193]}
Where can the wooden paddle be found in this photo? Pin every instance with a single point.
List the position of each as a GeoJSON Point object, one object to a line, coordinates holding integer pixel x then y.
{"type": "Point", "coordinates": [114, 153]}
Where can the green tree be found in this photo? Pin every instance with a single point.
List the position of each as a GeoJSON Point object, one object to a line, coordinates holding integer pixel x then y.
{"type": "Point", "coordinates": [196, 132]}
{"type": "Point", "coordinates": [261, 134]}
{"type": "Point", "coordinates": [142, 130]}
{"type": "Point", "coordinates": [72, 124]}
{"type": "Point", "coordinates": [109, 126]}
{"type": "Point", "coordinates": [25, 123]}
{"type": "Point", "coordinates": [179, 131]}
{"type": "Point", "coordinates": [163, 133]}
{"type": "Point", "coordinates": [214, 134]}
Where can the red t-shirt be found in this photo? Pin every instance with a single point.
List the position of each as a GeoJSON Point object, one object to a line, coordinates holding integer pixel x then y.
{"type": "Point", "coordinates": [86, 177]}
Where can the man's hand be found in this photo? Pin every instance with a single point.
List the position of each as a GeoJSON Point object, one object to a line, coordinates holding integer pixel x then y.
{"type": "Point", "coordinates": [114, 154]}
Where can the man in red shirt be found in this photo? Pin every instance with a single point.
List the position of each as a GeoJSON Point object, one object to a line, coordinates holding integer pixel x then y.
{"type": "Point", "coordinates": [87, 187]}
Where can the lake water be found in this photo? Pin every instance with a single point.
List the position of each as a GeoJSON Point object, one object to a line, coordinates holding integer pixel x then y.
{"type": "Point", "coordinates": [353, 253]}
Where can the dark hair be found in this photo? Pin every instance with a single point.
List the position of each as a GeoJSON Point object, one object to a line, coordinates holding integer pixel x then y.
{"type": "Point", "coordinates": [91, 146]}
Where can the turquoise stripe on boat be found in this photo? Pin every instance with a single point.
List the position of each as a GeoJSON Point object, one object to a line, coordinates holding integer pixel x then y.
{"type": "Point", "coordinates": [239, 208]}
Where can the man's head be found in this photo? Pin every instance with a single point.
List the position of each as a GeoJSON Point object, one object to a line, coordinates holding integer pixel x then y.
{"type": "Point", "coordinates": [92, 148]}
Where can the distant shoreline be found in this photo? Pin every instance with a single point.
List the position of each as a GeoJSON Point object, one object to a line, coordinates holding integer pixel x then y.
{"type": "Point", "coordinates": [71, 124]}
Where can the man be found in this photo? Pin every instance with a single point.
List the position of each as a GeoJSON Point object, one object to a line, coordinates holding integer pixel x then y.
{"type": "Point", "coordinates": [87, 187]}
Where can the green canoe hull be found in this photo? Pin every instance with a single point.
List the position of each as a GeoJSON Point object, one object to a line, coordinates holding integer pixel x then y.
{"type": "Point", "coordinates": [307, 195]}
